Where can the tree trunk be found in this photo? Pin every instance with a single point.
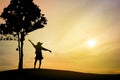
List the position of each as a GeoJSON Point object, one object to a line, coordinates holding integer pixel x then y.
{"type": "Point", "coordinates": [19, 49]}
{"type": "Point", "coordinates": [20, 45]}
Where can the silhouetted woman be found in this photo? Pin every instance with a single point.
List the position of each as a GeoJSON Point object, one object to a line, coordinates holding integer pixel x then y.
{"type": "Point", "coordinates": [38, 52]}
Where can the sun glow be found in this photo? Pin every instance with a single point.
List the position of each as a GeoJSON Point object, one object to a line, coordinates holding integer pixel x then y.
{"type": "Point", "coordinates": [91, 43]}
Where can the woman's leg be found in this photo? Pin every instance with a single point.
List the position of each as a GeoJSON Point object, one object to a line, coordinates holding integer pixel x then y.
{"type": "Point", "coordinates": [40, 62]}
{"type": "Point", "coordinates": [35, 63]}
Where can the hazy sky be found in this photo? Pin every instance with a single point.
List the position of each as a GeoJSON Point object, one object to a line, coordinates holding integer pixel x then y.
{"type": "Point", "coordinates": [71, 23]}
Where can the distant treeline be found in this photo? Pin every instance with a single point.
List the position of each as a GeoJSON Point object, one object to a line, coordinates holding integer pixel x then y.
{"type": "Point", "coordinates": [8, 37]}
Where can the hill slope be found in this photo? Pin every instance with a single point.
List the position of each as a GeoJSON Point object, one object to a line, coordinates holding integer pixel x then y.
{"type": "Point", "coordinates": [48, 74]}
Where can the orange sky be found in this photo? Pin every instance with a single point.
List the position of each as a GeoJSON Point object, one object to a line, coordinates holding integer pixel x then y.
{"type": "Point", "coordinates": [71, 23]}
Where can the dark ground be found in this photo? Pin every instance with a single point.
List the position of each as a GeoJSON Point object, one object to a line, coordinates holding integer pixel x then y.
{"type": "Point", "coordinates": [48, 74]}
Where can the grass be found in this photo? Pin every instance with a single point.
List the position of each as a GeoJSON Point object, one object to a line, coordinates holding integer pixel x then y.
{"type": "Point", "coordinates": [49, 74]}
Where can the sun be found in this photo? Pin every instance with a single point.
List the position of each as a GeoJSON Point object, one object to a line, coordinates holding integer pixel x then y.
{"type": "Point", "coordinates": [91, 43]}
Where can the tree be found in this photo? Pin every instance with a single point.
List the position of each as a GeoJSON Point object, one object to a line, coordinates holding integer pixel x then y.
{"type": "Point", "coordinates": [21, 17]}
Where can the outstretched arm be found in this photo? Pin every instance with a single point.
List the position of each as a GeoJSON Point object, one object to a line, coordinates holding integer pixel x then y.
{"type": "Point", "coordinates": [32, 43]}
{"type": "Point", "coordinates": [46, 49]}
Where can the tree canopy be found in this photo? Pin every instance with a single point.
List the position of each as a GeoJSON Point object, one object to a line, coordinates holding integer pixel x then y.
{"type": "Point", "coordinates": [21, 16]}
